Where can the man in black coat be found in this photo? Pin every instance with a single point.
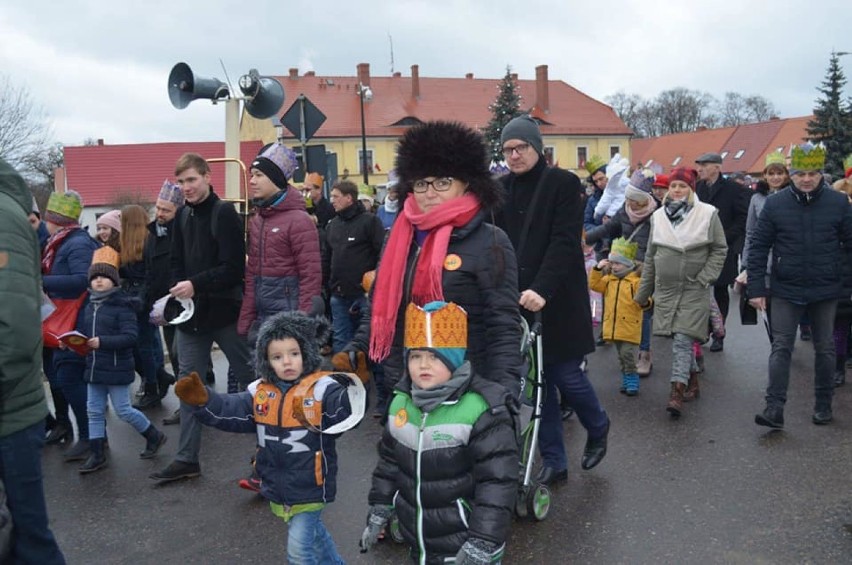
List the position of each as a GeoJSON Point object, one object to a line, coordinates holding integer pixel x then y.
{"type": "Point", "coordinates": [732, 200]}
{"type": "Point", "coordinates": [543, 216]}
{"type": "Point", "coordinates": [807, 226]}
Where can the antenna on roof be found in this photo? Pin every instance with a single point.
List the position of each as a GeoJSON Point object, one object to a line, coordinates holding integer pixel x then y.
{"type": "Point", "coordinates": [227, 78]}
{"type": "Point", "coordinates": [390, 38]}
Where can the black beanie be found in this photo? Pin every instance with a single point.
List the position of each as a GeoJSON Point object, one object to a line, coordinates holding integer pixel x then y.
{"type": "Point", "coordinates": [271, 170]}
{"type": "Point", "coordinates": [104, 270]}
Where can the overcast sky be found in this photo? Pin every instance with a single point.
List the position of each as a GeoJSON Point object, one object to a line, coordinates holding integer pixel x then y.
{"type": "Point", "coordinates": [99, 68]}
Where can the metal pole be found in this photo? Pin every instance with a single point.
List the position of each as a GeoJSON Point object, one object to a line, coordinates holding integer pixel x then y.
{"type": "Point", "coordinates": [232, 149]}
{"type": "Point", "coordinates": [363, 139]}
{"type": "Point", "coordinates": [302, 136]}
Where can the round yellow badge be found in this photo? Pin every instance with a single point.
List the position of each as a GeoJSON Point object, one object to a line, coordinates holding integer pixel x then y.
{"type": "Point", "coordinates": [452, 262]}
{"type": "Point", "coordinates": [401, 418]}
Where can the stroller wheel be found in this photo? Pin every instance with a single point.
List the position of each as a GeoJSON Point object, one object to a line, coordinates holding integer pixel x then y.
{"type": "Point", "coordinates": [521, 503]}
{"type": "Point", "coordinates": [538, 502]}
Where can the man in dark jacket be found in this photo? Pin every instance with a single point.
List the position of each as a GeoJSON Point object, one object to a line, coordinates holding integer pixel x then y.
{"type": "Point", "coordinates": [208, 265]}
{"type": "Point", "coordinates": [543, 217]}
{"type": "Point", "coordinates": [22, 403]}
{"type": "Point", "coordinates": [731, 199]}
{"type": "Point", "coordinates": [807, 227]}
{"type": "Point", "coordinates": [354, 241]}
{"type": "Point", "coordinates": [323, 209]}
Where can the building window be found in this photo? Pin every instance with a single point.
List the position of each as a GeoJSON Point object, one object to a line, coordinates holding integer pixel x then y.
{"type": "Point", "coordinates": [724, 154]}
{"type": "Point", "coordinates": [739, 154]}
{"type": "Point", "coordinates": [361, 161]}
{"type": "Point", "coordinates": [550, 155]}
{"type": "Point", "coordinates": [613, 150]}
{"type": "Point", "coordinates": [676, 161]}
{"type": "Point", "coordinates": [582, 156]}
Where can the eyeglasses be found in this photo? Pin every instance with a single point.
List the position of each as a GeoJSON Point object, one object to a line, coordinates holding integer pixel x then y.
{"type": "Point", "coordinates": [440, 185]}
{"type": "Point", "coordinates": [520, 149]}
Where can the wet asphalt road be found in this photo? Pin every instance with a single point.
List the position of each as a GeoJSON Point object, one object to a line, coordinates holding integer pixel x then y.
{"type": "Point", "coordinates": [710, 488]}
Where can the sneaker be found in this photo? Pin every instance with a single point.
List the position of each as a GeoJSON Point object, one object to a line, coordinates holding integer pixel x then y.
{"type": "Point", "coordinates": [717, 345]}
{"type": "Point", "coordinates": [822, 417]}
{"type": "Point", "coordinates": [631, 384]}
{"type": "Point", "coordinates": [177, 470]}
{"type": "Point", "coordinates": [644, 364]}
{"type": "Point", "coordinates": [173, 419]}
{"type": "Point", "coordinates": [252, 483]}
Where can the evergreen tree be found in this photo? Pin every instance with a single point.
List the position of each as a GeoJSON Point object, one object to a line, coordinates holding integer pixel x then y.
{"type": "Point", "coordinates": [504, 108]}
{"type": "Point", "coordinates": [832, 123]}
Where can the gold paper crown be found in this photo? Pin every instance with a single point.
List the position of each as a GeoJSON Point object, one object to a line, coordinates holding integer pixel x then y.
{"type": "Point", "coordinates": [847, 162]}
{"type": "Point", "coordinates": [445, 327]}
{"type": "Point", "coordinates": [106, 255]}
{"type": "Point", "coordinates": [65, 205]}
{"type": "Point", "coordinates": [595, 163]}
{"type": "Point", "coordinates": [807, 157]}
{"type": "Point", "coordinates": [624, 248]}
{"type": "Point", "coordinates": [775, 158]}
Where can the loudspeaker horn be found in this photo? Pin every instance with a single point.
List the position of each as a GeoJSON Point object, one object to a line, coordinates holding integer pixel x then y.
{"type": "Point", "coordinates": [184, 87]}
{"type": "Point", "coordinates": [264, 95]}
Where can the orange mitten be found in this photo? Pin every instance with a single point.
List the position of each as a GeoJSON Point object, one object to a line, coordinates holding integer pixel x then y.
{"type": "Point", "coordinates": [367, 280]}
{"type": "Point", "coordinates": [352, 362]}
{"type": "Point", "coordinates": [191, 390]}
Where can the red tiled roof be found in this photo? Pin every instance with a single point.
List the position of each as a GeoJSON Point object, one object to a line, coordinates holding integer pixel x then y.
{"type": "Point", "coordinates": [463, 99]}
{"type": "Point", "coordinates": [754, 140]}
{"type": "Point", "coordinates": [102, 172]}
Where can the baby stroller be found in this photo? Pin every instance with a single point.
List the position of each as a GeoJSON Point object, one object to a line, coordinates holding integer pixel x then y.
{"type": "Point", "coordinates": [533, 498]}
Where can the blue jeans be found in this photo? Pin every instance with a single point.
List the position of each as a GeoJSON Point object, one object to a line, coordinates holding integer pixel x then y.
{"type": "Point", "coordinates": [148, 350]}
{"type": "Point", "coordinates": [647, 322]}
{"type": "Point", "coordinates": [575, 389]}
{"type": "Point", "coordinates": [345, 317]}
{"type": "Point", "coordinates": [120, 395]}
{"type": "Point", "coordinates": [308, 541]}
{"type": "Point", "coordinates": [20, 471]}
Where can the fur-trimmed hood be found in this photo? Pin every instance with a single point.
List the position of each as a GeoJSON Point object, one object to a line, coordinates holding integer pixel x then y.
{"type": "Point", "coordinates": [309, 333]}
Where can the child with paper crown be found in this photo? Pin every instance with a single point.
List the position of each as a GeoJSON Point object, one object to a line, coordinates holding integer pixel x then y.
{"type": "Point", "coordinates": [616, 278]}
{"type": "Point", "coordinates": [297, 412]}
{"type": "Point", "coordinates": [448, 464]}
{"type": "Point", "coordinates": [110, 323]}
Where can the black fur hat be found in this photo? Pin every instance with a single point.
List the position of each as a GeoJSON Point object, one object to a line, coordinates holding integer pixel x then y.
{"type": "Point", "coordinates": [446, 149]}
{"type": "Point", "coordinates": [309, 332]}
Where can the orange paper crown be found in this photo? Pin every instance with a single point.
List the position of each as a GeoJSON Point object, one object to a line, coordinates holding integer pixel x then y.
{"type": "Point", "coordinates": [106, 255]}
{"type": "Point", "coordinates": [445, 327]}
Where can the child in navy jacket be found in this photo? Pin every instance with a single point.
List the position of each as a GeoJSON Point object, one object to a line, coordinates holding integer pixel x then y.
{"type": "Point", "coordinates": [110, 323]}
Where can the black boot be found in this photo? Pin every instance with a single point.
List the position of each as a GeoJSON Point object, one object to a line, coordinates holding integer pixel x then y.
{"type": "Point", "coordinates": [150, 399]}
{"type": "Point", "coordinates": [61, 432]}
{"type": "Point", "coordinates": [840, 371]}
{"type": "Point", "coordinates": [154, 440]}
{"type": "Point", "coordinates": [79, 451]}
{"type": "Point", "coordinates": [164, 381]}
{"type": "Point", "coordinates": [96, 460]}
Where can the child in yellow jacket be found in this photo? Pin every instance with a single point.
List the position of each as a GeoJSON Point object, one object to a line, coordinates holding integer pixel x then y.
{"type": "Point", "coordinates": [617, 280]}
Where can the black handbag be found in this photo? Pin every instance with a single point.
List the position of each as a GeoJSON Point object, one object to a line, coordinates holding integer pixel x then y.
{"type": "Point", "coordinates": [748, 313]}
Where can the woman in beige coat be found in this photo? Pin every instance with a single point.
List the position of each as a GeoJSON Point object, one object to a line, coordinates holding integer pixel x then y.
{"type": "Point", "coordinates": [685, 254]}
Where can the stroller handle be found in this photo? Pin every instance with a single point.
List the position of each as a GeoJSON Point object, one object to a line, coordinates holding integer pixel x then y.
{"type": "Point", "coordinates": [536, 326]}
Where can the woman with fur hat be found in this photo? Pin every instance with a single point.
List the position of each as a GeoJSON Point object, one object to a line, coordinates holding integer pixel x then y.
{"type": "Point", "coordinates": [685, 254]}
{"type": "Point", "coordinates": [297, 412]}
{"type": "Point", "coordinates": [442, 248]}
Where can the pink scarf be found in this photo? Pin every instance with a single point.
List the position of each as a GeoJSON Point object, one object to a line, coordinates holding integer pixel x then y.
{"type": "Point", "coordinates": [52, 246]}
{"type": "Point", "coordinates": [636, 217]}
{"type": "Point", "coordinates": [427, 286]}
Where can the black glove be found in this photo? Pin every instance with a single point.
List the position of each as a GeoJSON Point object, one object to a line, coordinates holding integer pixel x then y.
{"type": "Point", "coordinates": [477, 551]}
{"type": "Point", "coordinates": [342, 380]}
{"type": "Point", "coordinates": [377, 519]}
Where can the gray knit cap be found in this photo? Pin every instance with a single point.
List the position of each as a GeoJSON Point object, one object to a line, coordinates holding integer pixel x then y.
{"type": "Point", "coordinates": [526, 129]}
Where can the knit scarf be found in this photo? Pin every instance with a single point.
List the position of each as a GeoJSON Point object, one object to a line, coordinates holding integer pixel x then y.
{"type": "Point", "coordinates": [676, 210]}
{"type": "Point", "coordinates": [390, 279]}
{"type": "Point", "coordinates": [638, 216]}
{"type": "Point", "coordinates": [427, 399]}
{"type": "Point", "coordinates": [52, 246]}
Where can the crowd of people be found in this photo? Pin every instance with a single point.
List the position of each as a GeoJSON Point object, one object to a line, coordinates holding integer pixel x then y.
{"type": "Point", "coordinates": [425, 293]}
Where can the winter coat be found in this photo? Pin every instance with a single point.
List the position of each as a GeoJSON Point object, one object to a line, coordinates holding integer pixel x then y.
{"type": "Point", "coordinates": [755, 207]}
{"type": "Point", "coordinates": [324, 212]}
{"type": "Point", "coordinates": [213, 262]}
{"type": "Point", "coordinates": [807, 238]}
{"type": "Point", "coordinates": [485, 284]}
{"type": "Point", "coordinates": [450, 474]}
{"type": "Point", "coordinates": [134, 283]}
{"type": "Point", "coordinates": [354, 242]}
{"type": "Point", "coordinates": [114, 322]}
{"type": "Point", "coordinates": [552, 262]}
{"type": "Point", "coordinates": [387, 218]}
{"type": "Point", "coordinates": [158, 257]}
{"type": "Point", "coordinates": [283, 272]}
{"type": "Point", "coordinates": [22, 402]}
{"type": "Point", "coordinates": [622, 318]}
{"type": "Point", "coordinates": [681, 263]}
{"type": "Point", "coordinates": [590, 223]}
{"type": "Point", "coordinates": [69, 278]}
{"type": "Point", "coordinates": [621, 226]}
{"type": "Point", "coordinates": [732, 201]}
{"type": "Point", "coordinates": [296, 465]}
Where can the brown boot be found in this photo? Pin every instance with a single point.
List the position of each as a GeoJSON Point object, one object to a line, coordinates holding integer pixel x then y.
{"type": "Point", "coordinates": [676, 400]}
{"type": "Point", "coordinates": [692, 391]}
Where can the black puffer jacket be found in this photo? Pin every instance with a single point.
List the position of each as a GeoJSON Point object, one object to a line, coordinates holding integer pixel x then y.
{"type": "Point", "coordinates": [465, 481]}
{"type": "Point", "coordinates": [157, 256]}
{"type": "Point", "coordinates": [354, 241]}
{"type": "Point", "coordinates": [485, 284]}
{"type": "Point", "coordinates": [807, 235]}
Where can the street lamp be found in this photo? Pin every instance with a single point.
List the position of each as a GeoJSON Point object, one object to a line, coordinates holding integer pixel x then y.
{"type": "Point", "coordinates": [364, 93]}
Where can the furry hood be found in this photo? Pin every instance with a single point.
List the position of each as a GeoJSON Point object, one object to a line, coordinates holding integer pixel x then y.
{"type": "Point", "coordinates": [446, 149]}
{"type": "Point", "coordinates": [309, 333]}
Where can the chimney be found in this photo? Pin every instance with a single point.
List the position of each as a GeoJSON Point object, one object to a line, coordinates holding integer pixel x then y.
{"type": "Point", "coordinates": [397, 74]}
{"type": "Point", "coordinates": [100, 142]}
{"type": "Point", "coordinates": [468, 76]}
{"type": "Point", "coordinates": [310, 74]}
{"type": "Point", "coordinates": [542, 96]}
{"type": "Point", "coordinates": [514, 77]}
{"type": "Point", "coordinates": [774, 118]}
{"type": "Point", "coordinates": [59, 180]}
{"type": "Point", "coordinates": [415, 81]}
{"type": "Point", "coordinates": [364, 73]}
{"type": "Point", "coordinates": [294, 73]}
